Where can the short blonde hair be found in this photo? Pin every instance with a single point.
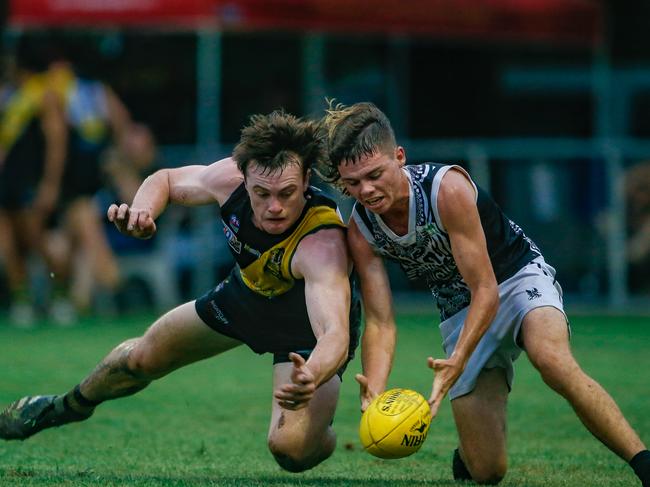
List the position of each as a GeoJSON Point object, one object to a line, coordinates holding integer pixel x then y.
{"type": "Point", "coordinates": [352, 132]}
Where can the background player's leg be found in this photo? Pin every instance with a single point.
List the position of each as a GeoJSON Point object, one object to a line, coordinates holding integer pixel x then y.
{"type": "Point", "coordinates": [481, 423]}
{"type": "Point", "coordinates": [300, 440]}
{"type": "Point", "coordinates": [83, 226]}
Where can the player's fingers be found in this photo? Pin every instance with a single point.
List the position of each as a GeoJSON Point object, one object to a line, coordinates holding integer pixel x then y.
{"type": "Point", "coordinates": [111, 213]}
{"type": "Point", "coordinates": [436, 392]}
{"type": "Point", "coordinates": [435, 406]}
{"type": "Point", "coordinates": [290, 405]}
{"type": "Point", "coordinates": [293, 405]}
{"type": "Point", "coordinates": [363, 382]}
{"type": "Point", "coordinates": [296, 359]}
{"type": "Point", "coordinates": [133, 219]}
{"type": "Point", "coordinates": [436, 364]}
{"type": "Point", "coordinates": [149, 223]}
{"type": "Point", "coordinates": [301, 405]}
{"type": "Point", "coordinates": [122, 211]}
{"type": "Point", "coordinates": [430, 362]}
{"type": "Point", "coordinates": [304, 378]}
{"type": "Point", "coordinates": [285, 396]}
{"type": "Point", "coordinates": [296, 390]}
{"type": "Point", "coordinates": [280, 396]}
{"type": "Point", "coordinates": [141, 220]}
{"type": "Point", "coordinates": [364, 405]}
{"type": "Point", "coordinates": [148, 229]}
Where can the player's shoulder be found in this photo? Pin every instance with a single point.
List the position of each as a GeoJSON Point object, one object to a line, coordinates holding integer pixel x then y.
{"type": "Point", "coordinates": [318, 250]}
{"type": "Point", "coordinates": [224, 177]}
{"type": "Point", "coordinates": [454, 181]}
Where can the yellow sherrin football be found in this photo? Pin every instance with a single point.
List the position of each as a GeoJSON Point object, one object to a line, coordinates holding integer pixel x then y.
{"type": "Point", "coordinates": [395, 424]}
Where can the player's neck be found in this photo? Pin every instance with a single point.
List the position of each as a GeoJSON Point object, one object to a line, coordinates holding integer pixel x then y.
{"type": "Point", "coordinates": [397, 216]}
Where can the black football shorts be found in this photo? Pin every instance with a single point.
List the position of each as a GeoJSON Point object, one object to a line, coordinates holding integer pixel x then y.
{"type": "Point", "coordinates": [277, 325]}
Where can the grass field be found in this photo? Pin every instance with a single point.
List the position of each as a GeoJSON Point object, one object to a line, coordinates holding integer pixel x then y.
{"type": "Point", "coordinates": [206, 425]}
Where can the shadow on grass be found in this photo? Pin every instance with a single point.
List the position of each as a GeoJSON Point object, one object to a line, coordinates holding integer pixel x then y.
{"type": "Point", "coordinates": [31, 476]}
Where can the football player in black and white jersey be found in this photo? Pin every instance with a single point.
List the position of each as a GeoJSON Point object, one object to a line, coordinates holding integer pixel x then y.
{"type": "Point", "coordinates": [496, 294]}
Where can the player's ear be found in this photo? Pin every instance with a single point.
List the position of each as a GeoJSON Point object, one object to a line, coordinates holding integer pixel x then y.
{"type": "Point", "coordinates": [400, 155]}
{"type": "Point", "coordinates": [307, 178]}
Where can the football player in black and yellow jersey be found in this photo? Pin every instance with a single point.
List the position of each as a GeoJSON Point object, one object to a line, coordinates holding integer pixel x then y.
{"type": "Point", "coordinates": [32, 159]}
{"type": "Point", "coordinates": [289, 293]}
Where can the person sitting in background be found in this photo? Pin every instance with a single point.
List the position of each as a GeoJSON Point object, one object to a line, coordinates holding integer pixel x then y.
{"type": "Point", "coordinates": [124, 166]}
{"type": "Point", "coordinates": [32, 154]}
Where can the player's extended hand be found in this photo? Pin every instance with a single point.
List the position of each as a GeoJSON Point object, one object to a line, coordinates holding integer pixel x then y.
{"type": "Point", "coordinates": [134, 222]}
{"type": "Point", "coordinates": [296, 394]}
{"type": "Point", "coordinates": [366, 394]}
{"type": "Point", "coordinates": [447, 371]}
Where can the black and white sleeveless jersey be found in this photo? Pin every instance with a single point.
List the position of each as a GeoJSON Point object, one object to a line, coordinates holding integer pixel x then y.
{"type": "Point", "coordinates": [425, 251]}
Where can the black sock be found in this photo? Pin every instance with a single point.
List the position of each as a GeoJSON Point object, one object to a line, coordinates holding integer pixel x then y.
{"type": "Point", "coordinates": [641, 466]}
{"type": "Point", "coordinates": [87, 404]}
{"type": "Point", "coordinates": [458, 467]}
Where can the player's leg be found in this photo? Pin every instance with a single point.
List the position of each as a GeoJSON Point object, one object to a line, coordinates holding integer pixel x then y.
{"type": "Point", "coordinates": [300, 440]}
{"type": "Point", "coordinates": [481, 423]}
{"type": "Point", "coordinates": [14, 261]}
{"type": "Point", "coordinates": [546, 340]}
{"type": "Point", "coordinates": [27, 235]}
{"type": "Point", "coordinates": [12, 258]}
{"type": "Point", "coordinates": [176, 339]}
{"type": "Point", "coordinates": [84, 224]}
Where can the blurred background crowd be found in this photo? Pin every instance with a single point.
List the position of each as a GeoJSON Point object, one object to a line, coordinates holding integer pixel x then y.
{"type": "Point", "coordinates": [546, 102]}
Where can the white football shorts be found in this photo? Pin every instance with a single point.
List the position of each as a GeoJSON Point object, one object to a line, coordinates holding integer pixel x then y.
{"type": "Point", "coordinates": [533, 286]}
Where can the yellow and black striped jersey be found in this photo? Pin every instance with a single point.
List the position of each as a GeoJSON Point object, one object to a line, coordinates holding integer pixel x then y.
{"type": "Point", "coordinates": [264, 260]}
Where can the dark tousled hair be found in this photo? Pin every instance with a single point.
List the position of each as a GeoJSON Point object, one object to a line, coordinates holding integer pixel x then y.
{"type": "Point", "coordinates": [277, 140]}
{"type": "Point", "coordinates": [353, 132]}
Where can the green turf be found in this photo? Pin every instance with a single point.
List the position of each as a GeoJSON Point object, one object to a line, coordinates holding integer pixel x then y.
{"type": "Point", "coordinates": [206, 424]}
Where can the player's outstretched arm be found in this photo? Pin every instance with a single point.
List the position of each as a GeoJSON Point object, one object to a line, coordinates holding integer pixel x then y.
{"type": "Point", "coordinates": [460, 218]}
{"type": "Point", "coordinates": [55, 133]}
{"type": "Point", "coordinates": [379, 336]}
{"type": "Point", "coordinates": [189, 186]}
{"type": "Point", "coordinates": [322, 261]}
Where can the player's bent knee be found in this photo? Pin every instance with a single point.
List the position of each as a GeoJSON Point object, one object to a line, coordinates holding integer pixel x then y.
{"type": "Point", "coordinates": [291, 464]}
{"type": "Point", "coordinates": [489, 477]}
{"type": "Point", "coordinates": [557, 372]}
{"type": "Point", "coordinates": [294, 459]}
{"type": "Point", "coordinates": [489, 474]}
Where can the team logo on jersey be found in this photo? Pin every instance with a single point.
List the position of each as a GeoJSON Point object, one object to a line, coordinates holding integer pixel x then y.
{"type": "Point", "coordinates": [533, 294]}
{"type": "Point", "coordinates": [232, 239]}
{"type": "Point", "coordinates": [234, 223]}
{"type": "Point", "coordinates": [274, 262]}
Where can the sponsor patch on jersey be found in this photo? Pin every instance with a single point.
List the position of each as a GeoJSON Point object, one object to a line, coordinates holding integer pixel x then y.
{"type": "Point", "coordinates": [431, 229]}
{"type": "Point", "coordinates": [232, 239]}
{"type": "Point", "coordinates": [234, 222]}
{"type": "Point", "coordinates": [218, 313]}
{"type": "Point", "coordinates": [253, 251]}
